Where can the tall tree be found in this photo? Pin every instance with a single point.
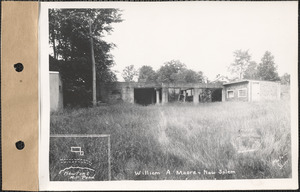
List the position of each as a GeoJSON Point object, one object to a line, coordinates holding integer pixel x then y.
{"type": "Point", "coordinates": [267, 70]}
{"type": "Point", "coordinates": [147, 74]}
{"type": "Point", "coordinates": [76, 35]}
{"type": "Point", "coordinates": [53, 30]}
{"type": "Point", "coordinates": [187, 76]}
{"type": "Point", "coordinates": [175, 71]}
{"type": "Point", "coordinates": [240, 64]}
{"type": "Point", "coordinates": [168, 69]}
{"type": "Point", "coordinates": [129, 73]}
{"type": "Point", "coordinates": [93, 60]}
{"type": "Point", "coordinates": [251, 71]}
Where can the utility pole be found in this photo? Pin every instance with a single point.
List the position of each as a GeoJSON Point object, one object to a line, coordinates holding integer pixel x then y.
{"type": "Point", "coordinates": [93, 63]}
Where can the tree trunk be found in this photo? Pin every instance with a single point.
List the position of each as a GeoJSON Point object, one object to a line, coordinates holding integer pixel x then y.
{"type": "Point", "coordinates": [53, 44]}
{"type": "Point", "coordinates": [93, 64]}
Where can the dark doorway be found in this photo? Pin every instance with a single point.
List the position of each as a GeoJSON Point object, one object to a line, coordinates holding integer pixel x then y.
{"type": "Point", "coordinates": [216, 95]}
{"type": "Point", "coordinates": [144, 96]}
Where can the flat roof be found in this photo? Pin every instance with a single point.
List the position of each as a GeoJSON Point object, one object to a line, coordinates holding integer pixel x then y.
{"type": "Point", "coordinates": [248, 80]}
{"type": "Point", "coordinates": [234, 82]}
{"type": "Point", "coordinates": [168, 85]}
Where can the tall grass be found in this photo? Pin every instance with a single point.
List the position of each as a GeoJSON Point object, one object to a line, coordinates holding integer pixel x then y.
{"type": "Point", "coordinates": [245, 140]}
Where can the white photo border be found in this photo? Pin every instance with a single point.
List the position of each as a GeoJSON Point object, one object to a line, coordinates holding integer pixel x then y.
{"type": "Point", "coordinates": [250, 184]}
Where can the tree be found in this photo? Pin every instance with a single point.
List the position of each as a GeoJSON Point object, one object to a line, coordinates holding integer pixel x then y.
{"type": "Point", "coordinates": [175, 71]}
{"type": "Point", "coordinates": [53, 30]}
{"type": "Point", "coordinates": [129, 73]}
{"type": "Point", "coordinates": [251, 71]}
{"type": "Point", "coordinates": [285, 79]}
{"type": "Point", "coordinates": [76, 38]}
{"type": "Point", "coordinates": [168, 69]}
{"type": "Point", "coordinates": [267, 70]}
{"type": "Point", "coordinates": [240, 64]}
{"type": "Point", "coordinates": [187, 76]}
{"type": "Point", "coordinates": [147, 74]}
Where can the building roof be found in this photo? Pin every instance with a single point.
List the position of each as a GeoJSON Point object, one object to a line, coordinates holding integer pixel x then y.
{"type": "Point", "coordinates": [247, 80]}
{"type": "Point", "coordinates": [166, 85]}
{"type": "Point", "coordinates": [234, 82]}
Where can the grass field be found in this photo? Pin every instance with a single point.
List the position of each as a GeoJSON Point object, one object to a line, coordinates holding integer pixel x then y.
{"type": "Point", "coordinates": [223, 140]}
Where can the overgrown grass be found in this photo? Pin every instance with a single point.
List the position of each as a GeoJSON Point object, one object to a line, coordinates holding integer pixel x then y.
{"type": "Point", "coordinates": [246, 140]}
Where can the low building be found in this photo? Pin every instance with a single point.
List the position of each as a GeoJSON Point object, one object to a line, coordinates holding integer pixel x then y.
{"type": "Point", "coordinates": [251, 90]}
{"type": "Point", "coordinates": [151, 93]}
{"type": "Point", "coordinates": [160, 93]}
{"type": "Point", "coordinates": [56, 91]}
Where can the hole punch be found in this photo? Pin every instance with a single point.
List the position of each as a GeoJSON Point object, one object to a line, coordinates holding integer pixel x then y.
{"type": "Point", "coordinates": [19, 67]}
{"type": "Point", "coordinates": [20, 145]}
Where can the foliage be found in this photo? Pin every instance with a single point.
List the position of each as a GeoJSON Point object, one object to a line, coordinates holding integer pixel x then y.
{"type": "Point", "coordinates": [147, 74]}
{"type": "Point", "coordinates": [175, 71]}
{"type": "Point", "coordinates": [244, 67]}
{"type": "Point", "coordinates": [241, 61]}
{"type": "Point", "coordinates": [129, 73]}
{"type": "Point", "coordinates": [187, 76]}
{"type": "Point", "coordinates": [168, 69]}
{"type": "Point", "coordinates": [251, 71]}
{"type": "Point", "coordinates": [187, 137]}
{"type": "Point", "coordinates": [73, 33]}
{"type": "Point", "coordinates": [69, 31]}
{"type": "Point", "coordinates": [267, 70]}
{"type": "Point", "coordinates": [285, 79]}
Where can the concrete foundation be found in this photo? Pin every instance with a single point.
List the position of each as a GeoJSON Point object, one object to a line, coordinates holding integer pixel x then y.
{"type": "Point", "coordinates": [196, 94]}
{"type": "Point", "coordinates": [223, 95]}
{"type": "Point", "coordinates": [165, 93]}
{"type": "Point", "coordinates": [153, 93]}
{"type": "Point", "coordinates": [157, 96]}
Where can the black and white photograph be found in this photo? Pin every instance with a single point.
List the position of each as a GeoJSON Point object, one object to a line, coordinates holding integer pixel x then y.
{"type": "Point", "coordinates": [172, 91]}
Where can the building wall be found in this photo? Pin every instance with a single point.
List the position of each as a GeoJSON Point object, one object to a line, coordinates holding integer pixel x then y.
{"type": "Point", "coordinates": [269, 90]}
{"type": "Point", "coordinates": [116, 92]}
{"type": "Point", "coordinates": [235, 87]}
{"type": "Point", "coordinates": [56, 94]}
{"type": "Point", "coordinates": [124, 91]}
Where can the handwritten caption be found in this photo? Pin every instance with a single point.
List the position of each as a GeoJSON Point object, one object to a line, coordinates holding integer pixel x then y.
{"type": "Point", "coordinates": [180, 172]}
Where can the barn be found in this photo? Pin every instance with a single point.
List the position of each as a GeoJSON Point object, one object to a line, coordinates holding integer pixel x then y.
{"type": "Point", "coordinates": [252, 90]}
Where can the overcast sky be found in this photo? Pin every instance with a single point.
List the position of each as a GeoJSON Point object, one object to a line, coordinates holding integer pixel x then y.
{"type": "Point", "coordinates": [205, 35]}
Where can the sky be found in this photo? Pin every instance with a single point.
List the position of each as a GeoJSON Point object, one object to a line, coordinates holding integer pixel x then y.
{"type": "Point", "coordinates": [204, 35]}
